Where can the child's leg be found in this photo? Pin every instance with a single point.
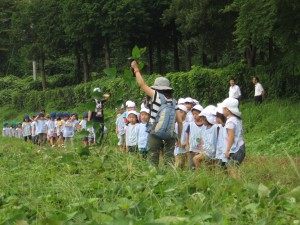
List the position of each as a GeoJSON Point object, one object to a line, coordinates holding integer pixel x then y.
{"type": "Point", "coordinates": [197, 159]}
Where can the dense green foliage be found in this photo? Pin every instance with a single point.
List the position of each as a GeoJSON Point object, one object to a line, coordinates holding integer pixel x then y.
{"type": "Point", "coordinates": [57, 186]}
{"type": "Point", "coordinates": [84, 37]}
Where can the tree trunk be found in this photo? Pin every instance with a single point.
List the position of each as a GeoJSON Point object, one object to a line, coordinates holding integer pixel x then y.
{"type": "Point", "coordinates": [78, 65]}
{"type": "Point", "coordinates": [42, 64]}
{"type": "Point", "coordinates": [159, 62]}
{"type": "Point", "coordinates": [86, 71]}
{"type": "Point", "coordinates": [150, 55]}
{"type": "Point", "coordinates": [107, 53]}
{"type": "Point", "coordinates": [34, 69]}
{"type": "Point", "coordinates": [250, 54]}
{"type": "Point", "coordinates": [175, 50]}
{"type": "Point", "coordinates": [187, 54]}
{"type": "Point", "coordinates": [204, 59]}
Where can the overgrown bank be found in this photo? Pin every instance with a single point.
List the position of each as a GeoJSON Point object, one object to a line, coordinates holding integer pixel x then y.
{"type": "Point", "coordinates": [207, 85]}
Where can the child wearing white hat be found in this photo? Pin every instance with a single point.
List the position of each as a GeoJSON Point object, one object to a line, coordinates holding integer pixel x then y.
{"type": "Point", "coordinates": [221, 120]}
{"type": "Point", "coordinates": [194, 134]}
{"type": "Point", "coordinates": [120, 128]}
{"type": "Point", "coordinates": [142, 134]}
{"type": "Point", "coordinates": [130, 106]}
{"type": "Point", "coordinates": [131, 131]}
{"type": "Point", "coordinates": [180, 151]}
{"type": "Point", "coordinates": [234, 143]}
{"type": "Point", "coordinates": [208, 140]}
{"type": "Point", "coordinates": [189, 103]}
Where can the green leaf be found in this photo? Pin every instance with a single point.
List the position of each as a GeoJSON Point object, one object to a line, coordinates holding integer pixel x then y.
{"type": "Point", "coordinates": [111, 72]}
{"type": "Point", "coordinates": [136, 53]}
{"type": "Point", "coordinates": [97, 95]}
{"type": "Point", "coordinates": [90, 105]}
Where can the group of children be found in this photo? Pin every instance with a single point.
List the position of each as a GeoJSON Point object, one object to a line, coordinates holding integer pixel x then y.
{"type": "Point", "coordinates": [56, 128]}
{"type": "Point", "coordinates": [211, 134]}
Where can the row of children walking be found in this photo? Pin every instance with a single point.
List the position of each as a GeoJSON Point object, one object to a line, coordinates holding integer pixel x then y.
{"type": "Point", "coordinates": [209, 135]}
{"type": "Point", "coordinates": [58, 129]}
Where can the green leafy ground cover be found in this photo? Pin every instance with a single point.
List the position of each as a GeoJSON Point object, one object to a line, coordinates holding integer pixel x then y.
{"type": "Point", "coordinates": [54, 186]}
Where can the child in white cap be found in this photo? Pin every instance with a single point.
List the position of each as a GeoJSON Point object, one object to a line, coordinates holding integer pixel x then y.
{"type": "Point", "coordinates": [209, 135]}
{"type": "Point", "coordinates": [234, 143]}
{"type": "Point", "coordinates": [120, 128]}
{"type": "Point", "coordinates": [180, 150]}
{"type": "Point", "coordinates": [221, 120]}
{"type": "Point", "coordinates": [131, 131]}
{"type": "Point", "coordinates": [142, 134]}
{"type": "Point", "coordinates": [189, 103]}
{"type": "Point", "coordinates": [130, 106]}
{"type": "Point", "coordinates": [194, 134]}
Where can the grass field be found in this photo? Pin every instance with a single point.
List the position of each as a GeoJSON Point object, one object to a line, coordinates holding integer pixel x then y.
{"type": "Point", "coordinates": [55, 186]}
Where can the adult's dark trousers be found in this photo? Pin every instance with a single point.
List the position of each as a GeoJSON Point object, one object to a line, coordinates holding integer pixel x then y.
{"type": "Point", "coordinates": [155, 145]}
{"type": "Point", "coordinates": [258, 99]}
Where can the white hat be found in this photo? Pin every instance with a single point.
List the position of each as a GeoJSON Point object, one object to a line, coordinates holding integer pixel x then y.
{"type": "Point", "coordinates": [130, 104]}
{"type": "Point", "coordinates": [182, 108]}
{"type": "Point", "coordinates": [146, 110]}
{"type": "Point", "coordinates": [208, 112]}
{"type": "Point", "coordinates": [188, 100]}
{"type": "Point", "coordinates": [97, 89]}
{"type": "Point", "coordinates": [161, 83]}
{"type": "Point", "coordinates": [143, 105]}
{"type": "Point", "coordinates": [232, 105]}
{"type": "Point", "coordinates": [198, 108]}
{"type": "Point", "coordinates": [196, 102]}
{"type": "Point", "coordinates": [132, 112]}
{"type": "Point", "coordinates": [219, 109]}
{"type": "Point", "coordinates": [181, 101]}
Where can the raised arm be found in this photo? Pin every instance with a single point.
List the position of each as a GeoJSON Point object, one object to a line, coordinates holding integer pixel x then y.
{"type": "Point", "coordinates": [139, 79]}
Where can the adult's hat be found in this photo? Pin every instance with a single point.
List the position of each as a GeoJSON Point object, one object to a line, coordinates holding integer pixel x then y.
{"type": "Point", "coordinates": [189, 100]}
{"type": "Point", "coordinates": [198, 108]}
{"type": "Point", "coordinates": [132, 112]}
{"type": "Point", "coordinates": [182, 108]}
{"type": "Point", "coordinates": [161, 83]}
{"type": "Point", "coordinates": [146, 110]}
{"type": "Point", "coordinates": [232, 105]}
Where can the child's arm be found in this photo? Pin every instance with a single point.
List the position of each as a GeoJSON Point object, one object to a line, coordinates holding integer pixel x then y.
{"type": "Point", "coordinates": [230, 141]}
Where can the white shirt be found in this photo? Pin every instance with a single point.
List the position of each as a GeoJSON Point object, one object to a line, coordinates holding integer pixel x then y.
{"type": "Point", "coordinates": [189, 117]}
{"type": "Point", "coordinates": [234, 91]}
{"type": "Point", "coordinates": [131, 134]}
{"type": "Point", "coordinates": [142, 135]}
{"type": "Point", "coordinates": [33, 128]}
{"type": "Point", "coordinates": [258, 89]}
{"type": "Point", "coordinates": [26, 129]}
{"type": "Point", "coordinates": [40, 127]}
{"type": "Point", "coordinates": [83, 124]}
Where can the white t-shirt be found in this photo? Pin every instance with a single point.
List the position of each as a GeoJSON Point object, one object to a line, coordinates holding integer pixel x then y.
{"type": "Point", "coordinates": [181, 150]}
{"type": "Point", "coordinates": [83, 124]}
{"type": "Point", "coordinates": [131, 134]}
{"type": "Point", "coordinates": [33, 128]}
{"type": "Point", "coordinates": [234, 92]}
{"type": "Point", "coordinates": [41, 126]}
{"type": "Point", "coordinates": [209, 138]}
{"type": "Point", "coordinates": [236, 125]}
{"type": "Point", "coordinates": [19, 132]}
{"type": "Point", "coordinates": [194, 132]}
{"type": "Point", "coordinates": [69, 130]}
{"type": "Point", "coordinates": [258, 89]}
{"type": "Point", "coordinates": [51, 127]}
{"type": "Point", "coordinates": [121, 125]}
{"type": "Point", "coordinates": [26, 129]}
{"type": "Point", "coordinates": [142, 135]}
{"type": "Point", "coordinates": [189, 117]}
